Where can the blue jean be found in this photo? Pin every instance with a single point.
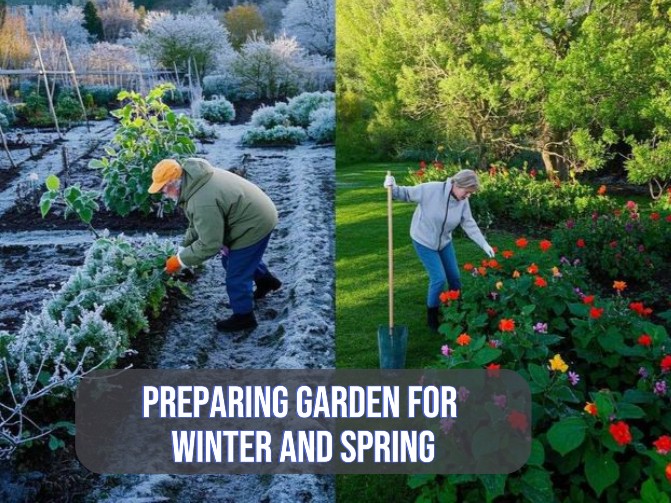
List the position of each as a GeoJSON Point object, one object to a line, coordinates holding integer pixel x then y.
{"type": "Point", "coordinates": [442, 267]}
{"type": "Point", "coordinates": [243, 266]}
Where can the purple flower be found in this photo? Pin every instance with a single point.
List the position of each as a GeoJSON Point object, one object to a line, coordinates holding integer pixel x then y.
{"type": "Point", "coordinates": [495, 343]}
{"type": "Point", "coordinates": [579, 292]}
{"type": "Point", "coordinates": [493, 295]}
{"type": "Point", "coordinates": [541, 328]}
{"type": "Point", "coordinates": [446, 350]}
{"type": "Point", "coordinates": [660, 388]}
{"type": "Point", "coordinates": [628, 227]}
{"type": "Point", "coordinates": [576, 262]}
{"type": "Point", "coordinates": [462, 394]}
{"type": "Point", "coordinates": [641, 248]}
{"type": "Point", "coordinates": [500, 401]}
{"type": "Point", "coordinates": [643, 372]}
{"type": "Point", "coordinates": [564, 261]}
{"type": "Point", "coordinates": [570, 224]}
{"type": "Point", "coordinates": [573, 377]}
{"type": "Point", "coordinates": [446, 424]}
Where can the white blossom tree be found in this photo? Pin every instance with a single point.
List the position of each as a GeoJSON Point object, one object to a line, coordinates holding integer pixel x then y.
{"type": "Point", "coordinates": [174, 40]}
{"type": "Point", "coordinates": [312, 22]}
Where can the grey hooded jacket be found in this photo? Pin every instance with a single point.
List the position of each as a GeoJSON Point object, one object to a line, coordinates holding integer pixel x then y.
{"type": "Point", "coordinates": [437, 214]}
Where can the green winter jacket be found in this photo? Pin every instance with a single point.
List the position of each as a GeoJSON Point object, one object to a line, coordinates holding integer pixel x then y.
{"type": "Point", "coordinates": [223, 209]}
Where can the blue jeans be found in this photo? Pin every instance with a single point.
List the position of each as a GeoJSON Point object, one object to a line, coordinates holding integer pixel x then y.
{"type": "Point", "coordinates": [243, 266]}
{"type": "Point", "coordinates": [442, 267]}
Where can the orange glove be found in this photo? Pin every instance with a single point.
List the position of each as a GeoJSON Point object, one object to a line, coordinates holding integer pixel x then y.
{"type": "Point", "coordinates": [172, 265]}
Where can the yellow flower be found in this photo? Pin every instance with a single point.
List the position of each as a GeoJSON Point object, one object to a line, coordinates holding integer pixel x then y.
{"type": "Point", "coordinates": [516, 274]}
{"type": "Point", "coordinates": [558, 364]}
{"type": "Point", "coordinates": [440, 148]}
{"type": "Point", "coordinates": [555, 272]}
{"type": "Point", "coordinates": [499, 285]}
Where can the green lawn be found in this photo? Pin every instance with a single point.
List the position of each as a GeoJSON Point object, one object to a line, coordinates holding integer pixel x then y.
{"type": "Point", "coordinates": [362, 295]}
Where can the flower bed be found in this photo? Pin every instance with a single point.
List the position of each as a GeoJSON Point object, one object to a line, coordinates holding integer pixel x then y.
{"type": "Point", "coordinates": [598, 370]}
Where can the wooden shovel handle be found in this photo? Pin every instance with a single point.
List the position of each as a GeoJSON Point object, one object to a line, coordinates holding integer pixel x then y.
{"type": "Point", "coordinates": [390, 229]}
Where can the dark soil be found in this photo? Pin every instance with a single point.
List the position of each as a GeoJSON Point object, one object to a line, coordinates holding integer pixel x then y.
{"type": "Point", "coordinates": [16, 220]}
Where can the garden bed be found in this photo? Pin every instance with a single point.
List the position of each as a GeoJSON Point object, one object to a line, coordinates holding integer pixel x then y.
{"type": "Point", "coordinates": [295, 324]}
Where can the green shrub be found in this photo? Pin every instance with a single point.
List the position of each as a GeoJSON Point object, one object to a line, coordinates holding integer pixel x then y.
{"type": "Point", "coordinates": [103, 96]}
{"type": "Point", "coordinates": [620, 245]}
{"type": "Point", "coordinates": [7, 111]}
{"type": "Point", "coordinates": [148, 132]}
{"type": "Point", "coordinates": [35, 111]}
{"type": "Point", "coordinates": [68, 108]}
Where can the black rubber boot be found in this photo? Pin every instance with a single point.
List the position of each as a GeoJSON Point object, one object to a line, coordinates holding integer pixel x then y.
{"type": "Point", "coordinates": [237, 322]}
{"type": "Point", "coordinates": [432, 318]}
{"type": "Point", "coordinates": [266, 284]}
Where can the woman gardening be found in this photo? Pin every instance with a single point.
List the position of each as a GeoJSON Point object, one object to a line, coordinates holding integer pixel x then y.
{"type": "Point", "coordinates": [441, 207]}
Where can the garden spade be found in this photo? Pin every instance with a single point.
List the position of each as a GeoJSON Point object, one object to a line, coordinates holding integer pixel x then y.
{"type": "Point", "coordinates": [392, 340]}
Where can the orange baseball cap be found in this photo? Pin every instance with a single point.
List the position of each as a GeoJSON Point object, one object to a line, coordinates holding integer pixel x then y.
{"type": "Point", "coordinates": [165, 171]}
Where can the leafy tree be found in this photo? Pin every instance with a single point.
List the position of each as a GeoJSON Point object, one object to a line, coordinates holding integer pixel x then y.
{"type": "Point", "coordinates": [92, 21]}
{"type": "Point", "coordinates": [312, 22]}
{"type": "Point", "coordinates": [242, 22]}
{"type": "Point", "coordinates": [176, 39]}
{"type": "Point", "coordinates": [504, 76]}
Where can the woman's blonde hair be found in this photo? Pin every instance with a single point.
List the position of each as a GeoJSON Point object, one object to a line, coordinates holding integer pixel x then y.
{"type": "Point", "coordinates": [466, 179]}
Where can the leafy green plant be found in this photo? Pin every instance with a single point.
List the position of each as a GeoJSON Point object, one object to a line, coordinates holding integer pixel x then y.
{"type": "Point", "coordinates": [82, 203]}
{"type": "Point", "coordinates": [148, 132]}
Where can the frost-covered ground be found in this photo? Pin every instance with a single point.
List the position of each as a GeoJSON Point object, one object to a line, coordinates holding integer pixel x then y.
{"type": "Point", "coordinates": [296, 324]}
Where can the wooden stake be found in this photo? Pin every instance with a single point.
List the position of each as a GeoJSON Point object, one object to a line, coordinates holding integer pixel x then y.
{"type": "Point", "coordinates": [4, 143]}
{"type": "Point", "coordinates": [43, 72]}
{"type": "Point", "coordinates": [73, 75]}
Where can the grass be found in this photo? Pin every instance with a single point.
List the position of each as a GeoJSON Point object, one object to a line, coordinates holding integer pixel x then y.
{"type": "Point", "coordinates": [362, 294]}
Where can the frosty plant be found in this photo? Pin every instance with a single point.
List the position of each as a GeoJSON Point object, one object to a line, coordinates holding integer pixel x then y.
{"type": "Point", "coordinates": [88, 324]}
{"type": "Point", "coordinates": [149, 131]}
{"type": "Point", "coordinates": [75, 200]}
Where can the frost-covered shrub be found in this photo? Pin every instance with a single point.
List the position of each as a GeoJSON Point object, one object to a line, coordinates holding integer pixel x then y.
{"type": "Point", "coordinates": [88, 324]}
{"type": "Point", "coordinates": [174, 40]}
{"type": "Point", "coordinates": [104, 96]}
{"type": "Point", "coordinates": [269, 117]}
{"type": "Point", "coordinates": [322, 125]}
{"type": "Point", "coordinates": [203, 130]}
{"type": "Point", "coordinates": [278, 135]}
{"type": "Point", "coordinates": [4, 122]}
{"type": "Point", "coordinates": [218, 110]}
{"type": "Point", "coordinates": [7, 111]}
{"type": "Point", "coordinates": [301, 106]}
{"type": "Point", "coordinates": [223, 84]}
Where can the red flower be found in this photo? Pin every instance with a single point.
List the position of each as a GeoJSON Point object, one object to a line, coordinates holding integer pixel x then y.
{"type": "Point", "coordinates": [464, 339]}
{"type": "Point", "coordinates": [507, 254]}
{"type": "Point", "coordinates": [468, 267]}
{"type": "Point", "coordinates": [588, 299]}
{"type": "Point", "coordinates": [422, 165]}
{"type": "Point", "coordinates": [493, 263]}
{"type": "Point", "coordinates": [521, 243]}
{"type": "Point", "coordinates": [540, 282]}
{"type": "Point", "coordinates": [591, 409]}
{"type": "Point", "coordinates": [518, 421]}
{"type": "Point", "coordinates": [667, 472]}
{"type": "Point", "coordinates": [613, 244]}
{"type": "Point", "coordinates": [640, 309]}
{"type": "Point", "coordinates": [602, 190]}
{"type": "Point", "coordinates": [668, 218]}
{"type": "Point", "coordinates": [532, 269]}
{"type": "Point", "coordinates": [654, 216]}
{"type": "Point", "coordinates": [545, 245]}
{"type": "Point", "coordinates": [507, 325]}
{"type": "Point", "coordinates": [645, 340]}
{"type": "Point", "coordinates": [448, 296]}
{"type": "Point", "coordinates": [665, 364]}
{"type": "Point", "coordinates": [596, 312]}
{"type": "Point", "coordinates": [663, 445]}
{"type": "Point", "coordinates": [491, 312]}
{"type": "Point", "coordinates": [493, 370]}
{"type": "Point", "coordinates": [482, 271]}
{"type": "Point", "coordinates": [580, 243]}
{"type": "Point", "coordinates": [620, 432]}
